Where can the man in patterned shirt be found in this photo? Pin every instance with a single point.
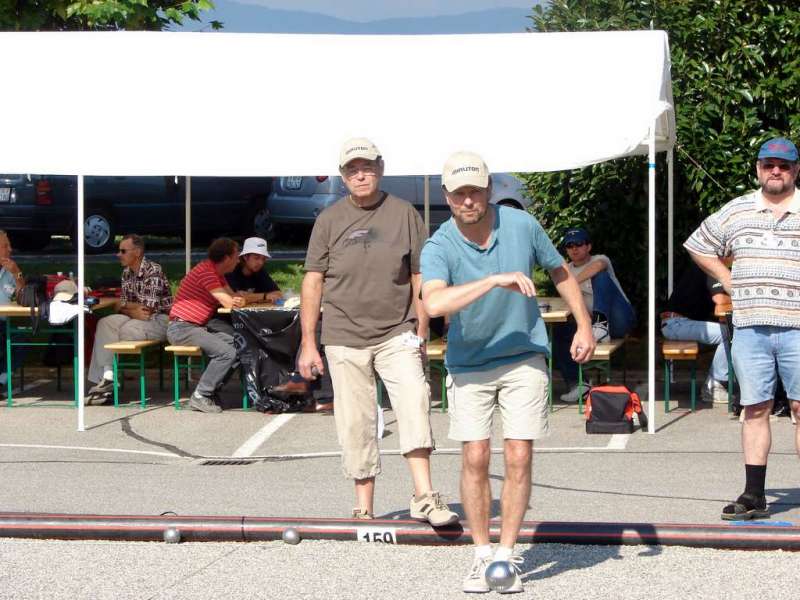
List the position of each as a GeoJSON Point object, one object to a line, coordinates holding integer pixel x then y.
{"type": "Point", "coordinates": [143, 314]}
{"type": "Point", "coordinates": [761, 231]}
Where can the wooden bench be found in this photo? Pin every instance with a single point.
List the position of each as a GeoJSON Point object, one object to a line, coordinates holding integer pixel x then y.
{"type": "Point", "coordinates": [133, 348]}
{"type": "Point", "coordinates": [189, 352]}
{"type": "Point", "coordinates": [675, 350]}
{"type": "Point", "coordinates": [602, 354]}
{"type": "Point", "coordinates": [436, 353]}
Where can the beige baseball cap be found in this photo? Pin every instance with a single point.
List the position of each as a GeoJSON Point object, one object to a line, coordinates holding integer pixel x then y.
{"type": "Point", "coordinates": [358, 148]}
{"type": "Point", "coordinates": [465, 168]}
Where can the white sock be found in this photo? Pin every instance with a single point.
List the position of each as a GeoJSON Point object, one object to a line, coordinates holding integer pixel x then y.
{"type": "Point", "coordinates": [108, 374]}
{"type": "Point", "coordinates": [483, 551]}
{"type": "Point", "coordinates": [503, 553]}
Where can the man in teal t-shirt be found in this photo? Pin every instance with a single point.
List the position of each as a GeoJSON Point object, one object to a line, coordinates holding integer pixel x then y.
{"type": "Point", "coordinates": [476, 268]}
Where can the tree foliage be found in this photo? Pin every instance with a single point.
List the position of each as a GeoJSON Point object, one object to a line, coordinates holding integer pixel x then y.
{"type": "Point", "coordinates": [736, 83]}
{"type": "Point", "coordinates": [99, 15]}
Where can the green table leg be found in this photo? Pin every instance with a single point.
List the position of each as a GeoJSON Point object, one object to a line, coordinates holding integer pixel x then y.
{"type": "Point", "coordinates": [115, 366]}
{"type": "Point", "coordinates": [142, 391]}
{"type": "Point", "coordinates": [694, 384]}
{"type": "Point", "coordinates": [75, 374]}
{"type": "Point", "coordinates": [666, 385]}
{"type": "Point", "coordinates": [176, 382]}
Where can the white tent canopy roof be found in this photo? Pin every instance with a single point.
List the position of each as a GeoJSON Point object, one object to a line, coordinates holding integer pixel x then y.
{"type": "Point", "coordinates": [216, 104]}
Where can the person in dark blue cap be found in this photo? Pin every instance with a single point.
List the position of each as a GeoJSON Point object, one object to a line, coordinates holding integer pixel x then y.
{"type": "Point", "coordinates": [612, 313]}
{"type": "Point", "coordinates": [761, 231]}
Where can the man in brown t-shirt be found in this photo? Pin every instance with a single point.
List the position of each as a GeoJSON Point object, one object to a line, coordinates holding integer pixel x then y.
{"type": "Point", "coordinates": [362, 266]}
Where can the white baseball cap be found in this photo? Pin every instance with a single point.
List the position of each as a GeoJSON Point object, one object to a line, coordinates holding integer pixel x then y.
{"type": "Point", "coordinates": [465, 168]}
{"type": "Point", "coordinates": [65, 290]}
{"type": "Point", "coordinates": [255, 245]}
{"type": "Point", "coordinates": [358, 148]}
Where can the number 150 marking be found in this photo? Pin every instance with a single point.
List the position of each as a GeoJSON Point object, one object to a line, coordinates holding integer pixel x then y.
{"type": "Point", "coordinates": [376, 535]}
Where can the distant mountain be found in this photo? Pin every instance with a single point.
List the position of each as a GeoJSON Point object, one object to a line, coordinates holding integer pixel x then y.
{"type": "Point", "coordinates": [251, 18]}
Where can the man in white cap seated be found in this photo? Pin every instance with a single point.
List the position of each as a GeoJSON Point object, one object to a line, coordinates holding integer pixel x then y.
{"type": "Point", "coordinates": [143, 314]}
{"type": "Point", "coordinates": [477, 268]}
{"type": "Point", "coordinates": [362, 265]}
{"type": "Point", "coordinates": [250, 279]}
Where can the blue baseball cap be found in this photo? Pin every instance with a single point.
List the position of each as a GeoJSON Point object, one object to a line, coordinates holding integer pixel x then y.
{"type": "Point", "coordinates": [576, 234]}
{"type": "Point", "coordinates": [778, 148]}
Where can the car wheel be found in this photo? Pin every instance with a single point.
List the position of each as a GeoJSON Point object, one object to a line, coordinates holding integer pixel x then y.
{"type": "Point", "coordinates": [511, 203]}
{"type": "Point", "coordinates": [261, 224]}
{"type": "Point", "coordinates": [98, 231]}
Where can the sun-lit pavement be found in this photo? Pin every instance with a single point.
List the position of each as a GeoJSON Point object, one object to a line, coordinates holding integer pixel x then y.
{"type": "Point", "coordinates": [149, 461]}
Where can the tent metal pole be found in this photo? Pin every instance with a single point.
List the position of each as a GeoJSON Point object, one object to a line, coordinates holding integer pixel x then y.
{"type": "Point", "coordinates": [427, 204]}
{"type": "Point", "coordinates": [78, 377]}
{"type": "Point", "coordinates": [670, 222]}
{"type": "Point", "coordinates": [651, 280]}
{"type": "Point", "coordinates": [188, 234]}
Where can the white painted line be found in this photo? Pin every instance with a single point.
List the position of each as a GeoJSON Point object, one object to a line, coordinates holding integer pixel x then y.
{"type": "Point", "coordinates": [618, 441]}
{"type": "Point", "coordinates": [92, 449]}
{"type": "Point", "coordinates": [262, 435]}
{"type": "Point", "coordinates": [447, 451]}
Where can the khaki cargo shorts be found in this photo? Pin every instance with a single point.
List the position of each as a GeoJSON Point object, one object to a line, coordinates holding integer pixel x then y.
{"type": "Point", "coordinates": [355, 401]}
{"type": "Point", "coordinates": [518, 389]}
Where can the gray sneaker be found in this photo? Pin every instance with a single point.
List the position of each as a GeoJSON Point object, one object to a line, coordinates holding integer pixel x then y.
{"type": "Point", "coordinates": [100, 393]}
{"type": "Point", "coordinates": [203, 404]}
{"type": "Point", "coordinates": [475, 581]}
{"type": "Point", "coordinates": [431, 508]}
{"type": "Point", "coordinates": [572, 396]}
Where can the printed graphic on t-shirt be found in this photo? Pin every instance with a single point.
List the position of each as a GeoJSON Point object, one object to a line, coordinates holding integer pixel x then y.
{"type": "Point", "coordinates": [359, 236]}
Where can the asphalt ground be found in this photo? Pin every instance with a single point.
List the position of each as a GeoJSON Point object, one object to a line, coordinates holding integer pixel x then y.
{"type": "Point", "coordinates": [150, 461]}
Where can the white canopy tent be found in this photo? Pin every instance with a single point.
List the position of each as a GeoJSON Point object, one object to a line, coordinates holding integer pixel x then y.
{"type": "Point", "coordinates": [148, 103]}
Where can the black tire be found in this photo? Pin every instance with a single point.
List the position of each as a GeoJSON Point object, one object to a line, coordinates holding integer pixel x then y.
{"type": "Point", "coordinates": [98, 231]}
{"type": "Point", "coordinates": [29, 241]}
{"type": "Point", "coordinates": [258, 222]}
{"type": "Point", "coordinates": [511, 203]}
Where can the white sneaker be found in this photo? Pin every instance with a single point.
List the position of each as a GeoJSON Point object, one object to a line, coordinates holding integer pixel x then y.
{"type": "Point", "coordinates": [600, 331]}
{"type": "Point", "coordinates": [714, 391]}
{"type": "Point", "coordinates": [572, 396]}
{"type": "Point", "coordinates": [475, 581]}
{"type": "Point", "coordinates": [515, 560]}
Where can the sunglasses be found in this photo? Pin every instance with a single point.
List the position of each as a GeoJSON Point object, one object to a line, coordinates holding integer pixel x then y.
{"type": "Point", "coordinates": [767, 166]}
{"type": "Point", "coordinates": [574, 245]}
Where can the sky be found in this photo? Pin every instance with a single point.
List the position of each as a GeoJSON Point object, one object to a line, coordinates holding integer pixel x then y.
{"type": "Point", "coordinates": [373, 10]}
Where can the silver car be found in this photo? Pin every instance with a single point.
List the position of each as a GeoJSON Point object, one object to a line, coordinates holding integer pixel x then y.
{"type": "Point", "coordinates": [298, 200]}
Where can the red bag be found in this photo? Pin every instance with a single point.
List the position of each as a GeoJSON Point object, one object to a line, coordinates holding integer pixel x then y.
{"type": "Point", "coordinates": [610, 409]}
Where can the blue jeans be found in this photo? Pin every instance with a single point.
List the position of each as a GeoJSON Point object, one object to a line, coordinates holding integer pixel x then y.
{"type": "Point", "coordinates": [705, 332]}
{"type": "Point", "coordinates": [760, 354]}
{"type": "Point", "coordinates": [607, 300]}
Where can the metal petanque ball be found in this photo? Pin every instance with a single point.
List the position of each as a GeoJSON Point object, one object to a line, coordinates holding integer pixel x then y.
{"type": "Point", "coordinates": [500, 575]}
{"type": "Point", "coordinates": [172, 535]}
{"type": "Point", "coordinates": [291, 536]}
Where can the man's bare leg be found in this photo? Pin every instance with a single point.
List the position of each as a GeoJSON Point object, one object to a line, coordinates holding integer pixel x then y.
{"type": "Point", "coordinates": [516, 489]}
{"type": "Point", "coordinates": [365, 494]}
{"type": "Point", "coordinates": [419, 463]}
{"type": "Point", "coordinates": [756, 433]}
{"type": "Point", "coordinates": [476, 495]}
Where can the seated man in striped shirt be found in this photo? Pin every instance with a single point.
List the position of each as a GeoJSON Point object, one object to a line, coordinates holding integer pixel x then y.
{"type": "Point", "coordinates": [192, 321]}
